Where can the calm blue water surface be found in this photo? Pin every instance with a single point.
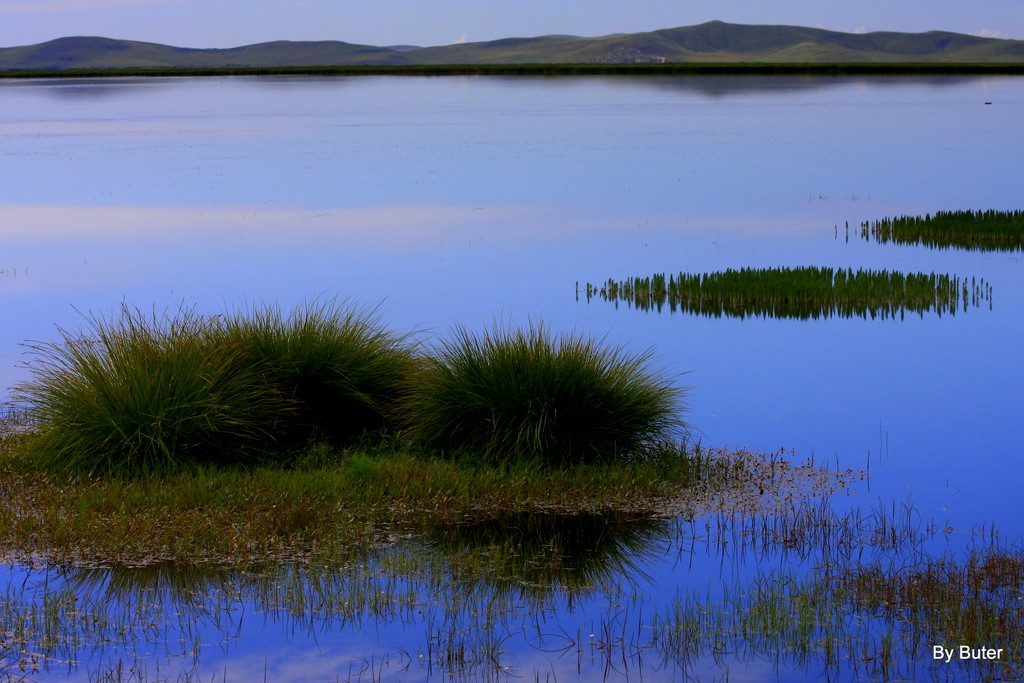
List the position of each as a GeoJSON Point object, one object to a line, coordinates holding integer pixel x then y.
{"type": "Point", "coordinates": [469, 200]}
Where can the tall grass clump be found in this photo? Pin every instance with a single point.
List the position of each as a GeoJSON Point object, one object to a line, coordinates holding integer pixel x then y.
{"type": "Point", "coordinates": [344, 371]}
{"type": "Point", "coordinates": [522, 394]}
{"type": "Point", "coordinates": [146, 391]}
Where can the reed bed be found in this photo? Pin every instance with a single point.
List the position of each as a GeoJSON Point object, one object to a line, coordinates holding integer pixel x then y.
{"type": "Point", "coordinates": [808, 292]}
{"type": "Point", "coordinates": [972, 230]}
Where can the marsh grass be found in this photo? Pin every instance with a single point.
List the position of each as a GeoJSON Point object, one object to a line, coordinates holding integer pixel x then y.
{"type": "Point", "coordinates": [342, 369]}
{"type": "Point", "coordinates": [971, 230]}
{"type": "Point", "coordinates": [867, 603]}
{"type": "Point", "coordinates": [803, 293]}
{"type": "Point", "coordinates": [147, 392]}
{"type": "Point", "coordinates": [876, 620]}
{"type": "Point", "coordinates": [153, 392]}
{"type": "Point", "coordinates": [15, 419]}
{"type": "Point", "coordinates": [464, 547]}
{"type": "Point", "coordinates": [338, 501]}
{"type": "Point", "coordinates": [876, 600]}
{"type": "Point", "coordinates": [510, 394]}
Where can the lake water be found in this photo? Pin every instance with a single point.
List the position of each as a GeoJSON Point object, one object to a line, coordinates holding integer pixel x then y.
{"type": "Point", "coordinates": [469, 200]}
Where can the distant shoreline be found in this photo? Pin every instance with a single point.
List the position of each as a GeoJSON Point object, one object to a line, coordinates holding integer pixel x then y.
{"type": "Point", "coordinates": [667, 69]}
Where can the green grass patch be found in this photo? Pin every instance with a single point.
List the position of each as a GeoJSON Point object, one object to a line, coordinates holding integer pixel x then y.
{"type": "Point", "coordinates": [331, 503]}
{"type": "Point", "coordinates": [809, 292]}
{"type": "Point", "coordinates": [972, 230]}
{"type": "Point", "coordinates": [512, 394]}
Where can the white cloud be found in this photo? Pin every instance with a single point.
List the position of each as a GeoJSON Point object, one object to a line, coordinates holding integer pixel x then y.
{"type": "Point", "coordinates": [988, 33]}
{"type": "Point", "coordinates": [858, 29]}
{"type": "Point", "coordinates": [460, 40]}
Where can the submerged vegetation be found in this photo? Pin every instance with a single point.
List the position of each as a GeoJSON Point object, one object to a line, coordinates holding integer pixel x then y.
{"type": "Point", "coordinates": [973, 230]}
{"type": "Point", "coordinates": [809, 292]}
{"type": "Point", "coordinates": [881, 620]}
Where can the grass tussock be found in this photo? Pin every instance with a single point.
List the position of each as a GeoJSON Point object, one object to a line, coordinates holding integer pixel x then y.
{"type": "Point", "coordinates": [147, 391]}
{"type": "Point", "coordinates": [344, 371]}
{"type": "Point", "coordinates": [510, 394]}
{"type": "Point", "coordinates": [151, 392]}
{"type": "Point", "coordinates": [155, 391]}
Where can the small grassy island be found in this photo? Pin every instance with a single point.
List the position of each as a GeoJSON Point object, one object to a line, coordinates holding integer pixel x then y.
{"type": "Point", "coordinates": [151, 434]}
{"type": "Point", "coordinates": [810, 292]}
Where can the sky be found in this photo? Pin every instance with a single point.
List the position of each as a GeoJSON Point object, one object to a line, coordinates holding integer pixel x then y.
{"type": "Point", "coordinates": [231, 23]}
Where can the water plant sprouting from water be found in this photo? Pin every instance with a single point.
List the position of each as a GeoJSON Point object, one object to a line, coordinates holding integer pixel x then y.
{"type": "Point", "coordinates": [524, 393]}
{"type": "Point", "coordinates": [972, 230]}
{"type": "Point", "coordinates": [808, 292]}
{"type": "Point", "coordinates": [879, 620]}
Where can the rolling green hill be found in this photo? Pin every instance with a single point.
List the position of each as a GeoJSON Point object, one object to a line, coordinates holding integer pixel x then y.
{"type": "Point", "coordinates": [720, 42]}
{"type": "Point", "coordinates": [107, 53]}
{"type": "Point", "coordinates": [713, 42]}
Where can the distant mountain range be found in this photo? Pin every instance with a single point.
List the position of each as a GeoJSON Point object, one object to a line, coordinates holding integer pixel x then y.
{"type": "Point", "coordinates": [713, 42]}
